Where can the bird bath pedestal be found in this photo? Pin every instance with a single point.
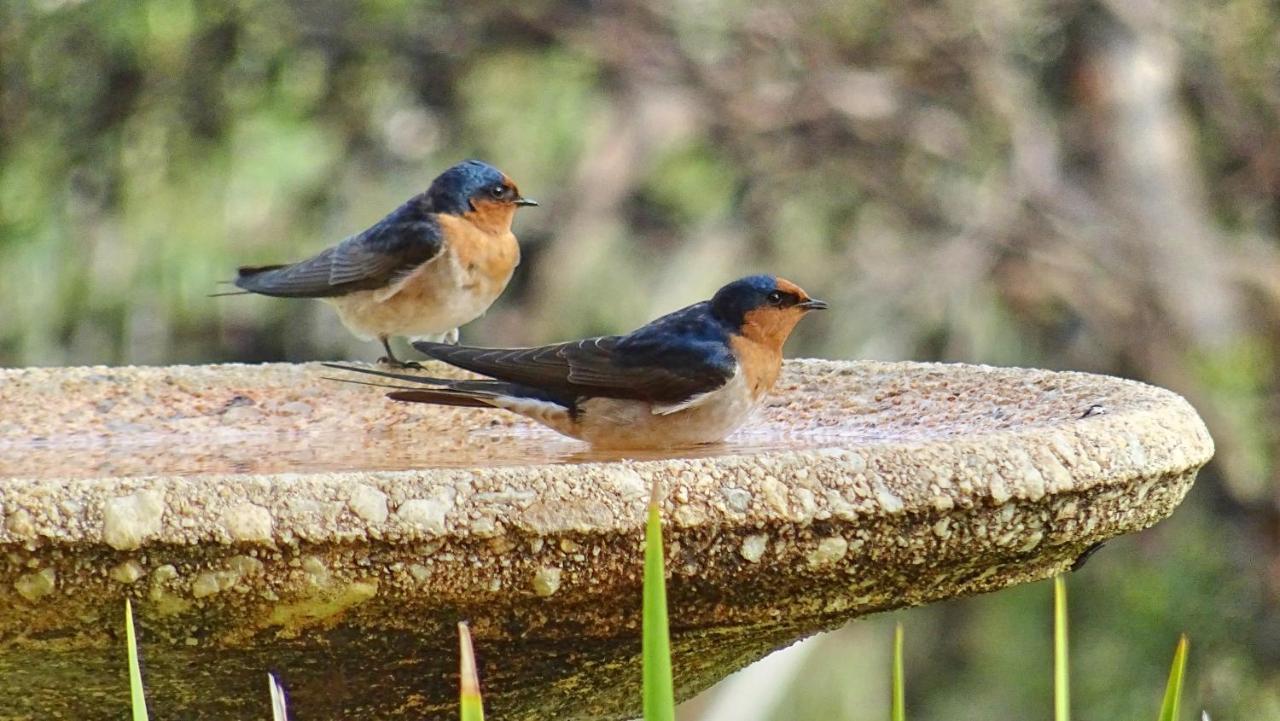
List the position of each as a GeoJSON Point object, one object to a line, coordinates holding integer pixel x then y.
{"type": "Point", "coordinates": [264, 518]}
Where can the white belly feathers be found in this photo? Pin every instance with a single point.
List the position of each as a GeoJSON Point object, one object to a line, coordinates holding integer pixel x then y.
{"type": "Point", "coordinates": [621, 424]}
{"type": "Point", "coordinates": [435, 298]}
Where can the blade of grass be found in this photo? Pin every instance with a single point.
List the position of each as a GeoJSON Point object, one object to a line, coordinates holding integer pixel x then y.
{"type": "Point", "coordinates": [137, 701]}
{"type": "Point", "coordinates": [898, 709]}
{"type": "Point", "coordinates": [659, 691]}
{"type": "Point", "coordinates": [279, 711]}
{"type": "Point", "coordinates": [1173, 690]}
{"type": "Point", "coordinates": [472, 706]}
{"type": "Point", "coordinates": [1061, 676]}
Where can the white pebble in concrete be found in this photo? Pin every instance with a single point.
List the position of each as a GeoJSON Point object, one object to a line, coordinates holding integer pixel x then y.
{"type": "Point", "coordinates": [248, 522]}
{"type": "Point", "coordinates": [628, 483]}
{"type": "Point", "coordinates": [738, 499]}
{"type": "Point", "coordinates": [368, 503]}
{"type": "Point", "coordinates": [126, 572]}
{"type": "Point", "coordinates": [887, 499]}
{"type": "Point", "coordinates": [245, 565]}
{"type": "Point", "coordinates": [20, 524]}
{"type": "Point", "coordinates": [775, 494]}
{"type": "Point", "coordinates": [546, 581]}
{"type": "Point", "coordinates": [316, 570]}
{"type": "Point", "coordinates": [164, 574]}
{"type": "Point", "coordinates": [206, 584]}
{"type": "Point", "coordinates": [829, 551]}
{"type": "Point", "coordinates": [753, 547]}
{"type": "Point", "coordinates": [127, 521]}
{"type": "Point", "coordinates": [35, 586]}
{"type": "Point", "coordinates": [425, 513]}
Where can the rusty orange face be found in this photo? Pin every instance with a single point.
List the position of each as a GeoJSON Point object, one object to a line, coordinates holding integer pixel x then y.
{"type": "Point", "coordinates": [771, 323]}
{"type": "Point", "coordinates": [494, 208]}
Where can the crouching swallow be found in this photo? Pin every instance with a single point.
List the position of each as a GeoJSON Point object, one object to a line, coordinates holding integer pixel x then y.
{"type": "Point", "coordinates": [433, 264]}
{"type": "Point", "coordinates": [687, 378]}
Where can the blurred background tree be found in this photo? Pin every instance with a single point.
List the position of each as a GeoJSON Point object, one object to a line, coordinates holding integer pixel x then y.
{"type": "Point", "coordinates": [1082, 184]}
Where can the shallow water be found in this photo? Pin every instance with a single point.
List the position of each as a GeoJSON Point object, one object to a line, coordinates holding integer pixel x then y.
{"type": "Point", "coordinates": [147, 454]}
{"type": "Point", "coordinates": [97, 422]}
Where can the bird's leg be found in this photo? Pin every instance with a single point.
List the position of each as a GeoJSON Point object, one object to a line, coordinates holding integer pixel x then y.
{"type": "Point", "coordinates": [391, 360]}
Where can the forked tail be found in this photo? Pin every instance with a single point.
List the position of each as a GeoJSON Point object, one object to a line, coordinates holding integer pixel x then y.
{"type": "Point", "coordinates": [449, 392]}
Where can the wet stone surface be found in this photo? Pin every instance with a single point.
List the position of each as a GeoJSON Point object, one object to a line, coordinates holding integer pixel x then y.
{"type": "Point", "coordinates": [336, 537]}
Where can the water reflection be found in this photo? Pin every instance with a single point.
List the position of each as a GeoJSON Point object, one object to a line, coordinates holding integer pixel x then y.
{"type": "Point", "coordinates": [279, 419]}
{"type": "Point", "coordinates": [327, 451]}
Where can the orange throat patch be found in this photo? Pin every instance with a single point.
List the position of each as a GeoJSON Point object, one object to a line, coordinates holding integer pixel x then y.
{"type": "Point", "coordinates": [491, 217]}
{"type": "Point", "coordinates": [759, 347]}
{"type": "Point", "coordinates": [483, 243]}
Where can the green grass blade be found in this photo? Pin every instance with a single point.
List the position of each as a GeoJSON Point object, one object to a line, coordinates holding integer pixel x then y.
{"type": "Point", "coordinates": [1173, 691]}
{"type": "Point", "coordinates": [137, 700]}
{"type": "Point", "coordinates": [1061, 676]}
{"type": "Point", "coordinates": [898, 709]}
{"type": "Point", "coordinates": [279, 711]}
{"type": "Point", "coordinates": [659, 691]}
{"type": "Point", "coordinates": [472, 706]}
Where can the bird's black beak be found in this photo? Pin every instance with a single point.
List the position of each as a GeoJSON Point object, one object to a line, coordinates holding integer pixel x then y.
{"type": "Point", "coordinates": [525, 201]}
{"type": "Point", "coordinates": [813, 304]}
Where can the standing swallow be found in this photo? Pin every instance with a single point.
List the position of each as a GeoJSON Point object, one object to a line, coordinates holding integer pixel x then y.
{"type": "Point", "coordinates": [687, 378]}
{"type": "Point", "coordinates": [433, 264]}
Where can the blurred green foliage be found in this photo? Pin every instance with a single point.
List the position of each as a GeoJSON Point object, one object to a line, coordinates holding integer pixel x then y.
{"type": "Point", "coordinates": [1072, 184]}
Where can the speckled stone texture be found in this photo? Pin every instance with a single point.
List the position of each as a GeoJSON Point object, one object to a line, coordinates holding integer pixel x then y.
{"type": "Point", "coordinates": [262, 517]}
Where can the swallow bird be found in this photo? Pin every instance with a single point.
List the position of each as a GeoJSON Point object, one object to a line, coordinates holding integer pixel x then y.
{"type": "Point", "coordinates": [687, 378]}
{"type": "Point", "coordinates": [433, 264]}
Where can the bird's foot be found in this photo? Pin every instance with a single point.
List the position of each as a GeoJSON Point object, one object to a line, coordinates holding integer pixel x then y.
{"type": "Point", "coordinates": [397, 363]}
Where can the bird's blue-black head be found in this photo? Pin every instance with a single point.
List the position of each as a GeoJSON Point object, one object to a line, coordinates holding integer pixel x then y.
{"type": "Point", "coordinates": [457, 190]}
{"type": "Point", "coordinates": [736, 302]}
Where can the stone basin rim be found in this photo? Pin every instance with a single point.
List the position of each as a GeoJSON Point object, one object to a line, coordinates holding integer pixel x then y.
{"type": "Point", "coordinates": [1158, 417]}
{"type": "Point", "coordinates": [826, 440]}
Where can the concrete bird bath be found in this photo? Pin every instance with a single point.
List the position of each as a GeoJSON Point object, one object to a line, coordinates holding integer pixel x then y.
{"type": "Point", "coordinates": [261, 517]}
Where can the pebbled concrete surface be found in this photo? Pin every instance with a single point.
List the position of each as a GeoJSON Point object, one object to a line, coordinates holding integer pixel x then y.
{"type": "Point", "coordinates": [262, 517]}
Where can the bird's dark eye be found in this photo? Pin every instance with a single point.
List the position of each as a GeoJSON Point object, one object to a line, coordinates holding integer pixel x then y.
{"type": "Point", "coordinates": [498, 191]}
{"type": "Point", "coordinates": [776, 297]}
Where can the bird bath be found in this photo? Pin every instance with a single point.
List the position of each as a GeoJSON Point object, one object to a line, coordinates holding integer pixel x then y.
{"type": "Point", "coordinates": [264, 518]}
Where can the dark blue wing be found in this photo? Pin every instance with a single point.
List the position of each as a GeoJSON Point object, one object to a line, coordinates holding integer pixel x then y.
{"type": "Point", "coordinates": [672, 359]}
{"type": "Point", "coordinates": [408, 237]}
